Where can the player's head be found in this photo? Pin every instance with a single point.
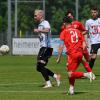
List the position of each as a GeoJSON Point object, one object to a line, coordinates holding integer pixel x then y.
{"type": "Point", "coordinates": [38, 15]}
{"type": "Point", "coordinates": [67, 20]}
{"type": "Point", "coordinates": [69, 13]}
{"type": "Point", "coordinates": [94, 12]}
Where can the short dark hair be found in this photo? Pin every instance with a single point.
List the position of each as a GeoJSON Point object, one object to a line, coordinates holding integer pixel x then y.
{"type": "Point", "coordinates": [94, 8]}
{"type": "Point", "coordinates": [69, 11]}
{"type": "Point", "coordinates": [67, 19]}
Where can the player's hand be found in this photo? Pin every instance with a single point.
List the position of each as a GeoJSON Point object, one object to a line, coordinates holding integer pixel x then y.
{"type": "Point", "coordinates": [84, 45]}
{"type": "Point", "coordinates": [36, 30]}
{"type": "Point", "coordinates": [58, 60]}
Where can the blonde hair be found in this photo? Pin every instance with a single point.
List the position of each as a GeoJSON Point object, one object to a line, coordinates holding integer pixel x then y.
{"type": "Point", "coordinates": [37, 11]}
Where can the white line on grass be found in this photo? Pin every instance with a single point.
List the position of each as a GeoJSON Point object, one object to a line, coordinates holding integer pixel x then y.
{"type": "Point", "coordinates": [36, 83]}
{"type": "Point", "coordinates": [46, 91]}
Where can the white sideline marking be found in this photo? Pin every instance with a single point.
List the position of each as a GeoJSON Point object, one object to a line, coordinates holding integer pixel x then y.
{"type": "Point", "coordinates": [47, 91]}
{"type": "Point", "coordinates": [36, 83]}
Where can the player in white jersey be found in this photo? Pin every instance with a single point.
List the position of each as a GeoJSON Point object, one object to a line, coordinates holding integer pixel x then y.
{"type": "Point", "coordinates": [93, 28]}
{"type": "Point", "coordinates": [45, 52]}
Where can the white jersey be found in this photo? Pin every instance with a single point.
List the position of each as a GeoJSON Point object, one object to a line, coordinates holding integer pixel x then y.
{"type": "Point", "coordinates": [93, 27]}
{"type": "Point", "coordinates": [44, 37]}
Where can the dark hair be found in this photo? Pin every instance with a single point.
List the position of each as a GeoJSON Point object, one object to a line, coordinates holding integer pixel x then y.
{"type": "Point", "coordinates": [67, 19]}
{"type": "Point", "coordinates": [94, 8]}
{"type": "Point", "coordinates": [69, 11]}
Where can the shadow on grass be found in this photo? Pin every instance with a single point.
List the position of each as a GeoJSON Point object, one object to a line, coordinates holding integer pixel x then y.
{"type": "Point", "coordinates": [74, 93]}
{"type": "Point", "coordinates": [97, 75]}
{"type": "Point", "coordinates": [80, 93]}
{"type": "Point", "coordinates": [41, 85]}
{"type": "Point", "coordinates": [53, 85]}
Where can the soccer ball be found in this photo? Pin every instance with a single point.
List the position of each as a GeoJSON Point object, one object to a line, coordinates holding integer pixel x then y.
{"type": "Point", "coordinates": [4, 49]}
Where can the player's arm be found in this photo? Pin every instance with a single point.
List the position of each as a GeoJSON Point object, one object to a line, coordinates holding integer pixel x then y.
{"type": "Point", "coordinates": [45, 30]}
{"type": "Point", "coordinates": [63, 26]}
{"type": "Point", "coordinates": [84, 45]}
{"type": "Point", "coordinates": [82, 28]}
{"type": "Point", "coordinates": [84, 32]}
{"type": "Point", "coordinates": [60, 49]}
{"type": "Point", "coordinates": [84, 42]}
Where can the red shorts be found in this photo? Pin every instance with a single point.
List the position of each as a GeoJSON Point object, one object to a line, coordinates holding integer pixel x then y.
{"type": "Point", "coordinates": [73, 61]}
{"type": "Point", "coordinates": [86, 54]}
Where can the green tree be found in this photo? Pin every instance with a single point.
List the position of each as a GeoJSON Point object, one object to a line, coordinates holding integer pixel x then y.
{"type": "Point", "coordinates": [0, 23]}
{"type": "Point", "coordinates": [55, 11]}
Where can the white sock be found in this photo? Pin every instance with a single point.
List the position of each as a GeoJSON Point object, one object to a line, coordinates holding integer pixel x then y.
{"type": "Point", "coordinates": [48, 83]}
{"type": "Point", "coordinates": [71, 87]}
{"type": "Point", "coordinates": [85, 74]}
{"type": "Point", "coordinates": [71, 90]}
{"type": "Point", "coordinates": [55, 76]}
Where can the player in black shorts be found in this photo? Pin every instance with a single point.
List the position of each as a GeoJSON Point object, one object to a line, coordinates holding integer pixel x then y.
{"type": "Point", "coordinates": [93, 28]}
{"type": "Point", "coordinates": [45, 52]}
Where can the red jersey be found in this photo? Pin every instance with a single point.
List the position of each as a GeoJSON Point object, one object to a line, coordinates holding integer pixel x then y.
{"type": "Point", "coordinates": [73, 40]}
{"type": "Point", "coordinates": [78, 25]}
{"type": "Point", "coordinates": [63, 27]}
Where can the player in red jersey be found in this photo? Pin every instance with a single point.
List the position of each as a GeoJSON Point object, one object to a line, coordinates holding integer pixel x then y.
{"type": "Point", "coordinates": [73, 39]}
{"type": "Point", "coordinates": [78, 25]}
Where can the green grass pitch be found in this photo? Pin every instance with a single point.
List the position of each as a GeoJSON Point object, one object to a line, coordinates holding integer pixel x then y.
{"type": "Point", "coordinates": [19, 80]}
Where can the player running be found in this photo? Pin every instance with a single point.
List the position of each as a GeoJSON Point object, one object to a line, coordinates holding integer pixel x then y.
{"type": "Point", "coordinates": [45, 52]}
{"type": "Point", "coordinates": [74, 41]}
{"type": "Point", "coordinates": [78, 25]}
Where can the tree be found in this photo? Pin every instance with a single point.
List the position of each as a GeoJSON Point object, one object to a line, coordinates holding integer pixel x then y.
{"type": "Point", "coordinates": [55, 11]}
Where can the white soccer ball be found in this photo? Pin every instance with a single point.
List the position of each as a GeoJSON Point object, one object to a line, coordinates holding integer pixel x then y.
{"type": "Point", "coordinates": [4, 49]}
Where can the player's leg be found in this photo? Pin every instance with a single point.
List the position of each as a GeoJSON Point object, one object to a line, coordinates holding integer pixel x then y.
{"type": "Point", "coordinates": [86, 66]}
{"type": "Point", "coordinates": [87, 58]}
{"type": "Point", "coordinates": [41, 63]}
{"type": "Point", "coordinates": [48, 54]}
{"type": "Point", "coordinates": [71, 83]}
{"type": "Point", "coordinates": [41, 68]}
{"type": "Point", "coordinates": [92, 60]}
{"type": "Point", "coordinates": [86, 54]}
{"type": "Point", "coordinates": [94, 50]}
{"type": "Point", "coordinates": [89, 74]}
{"type": "Point", "coordinates": [44, 55]}
{"type": "Point", "coordinates": [72, 74]}
{"type": "Point", "coordinates": [57, 77]}
{"type": "Point", "coordinates": [73, 62]}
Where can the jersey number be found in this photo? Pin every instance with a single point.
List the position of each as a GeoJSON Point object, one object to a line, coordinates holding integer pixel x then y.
{"type": "Point", "coordinates": [74, 36]}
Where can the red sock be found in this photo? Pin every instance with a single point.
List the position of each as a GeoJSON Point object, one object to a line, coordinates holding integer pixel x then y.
{"type": "Point", "coordinates": [77, 74]}
{"type": "Point", "coordinates": [71, 81]}
{"type": "Point", "coordinates": [86, 66]}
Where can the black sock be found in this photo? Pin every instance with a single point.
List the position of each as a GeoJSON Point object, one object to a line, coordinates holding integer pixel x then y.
{"type": "Point", "coordinates": [41, 68]}
{"type": "Point", "coordinates": [45, 74]}
{"type": "Point", "coordinates": [91, 63]}
{"type": "Point", "coordinates": [50, 73]}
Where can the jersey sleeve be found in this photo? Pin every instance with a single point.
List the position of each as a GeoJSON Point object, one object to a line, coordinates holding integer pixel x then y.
{"type": "Point", "coordinates": [46, 24]}
{"type": "Point", "coordinates": [81, 27]}
{"type": "Point", "coordinates": [62, 35]}
{"type": "Point", "coordinates": [83, 39]}
{"type": "Point", "coordinates": [82, 36]}
{"type": "Point", "coordinates": [86, 25]}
